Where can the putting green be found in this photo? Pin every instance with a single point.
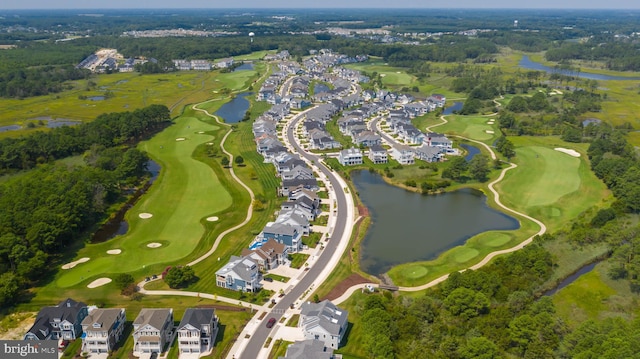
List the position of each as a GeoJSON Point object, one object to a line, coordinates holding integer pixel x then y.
{"type": "Point", "coordinates": [415, 272]}
{"type": "Point", "coordinates": [465, 254]}
{"type": "Point", "coordinates": [494, 239]}
{"type": "Point", "coordinates": [547, 176]}
{"type": "Point", "coordinates": [186, 192]}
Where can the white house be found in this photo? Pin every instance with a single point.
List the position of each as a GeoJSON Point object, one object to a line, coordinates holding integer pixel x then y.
{"type": "Point", "coordinates": [152, 330]}
{"type": "Point", "coordinates": [378, 155]}
{"type": "Point", "coordinates": [350, 157]}
{"type": "Point", "coordinates": [324, 322]}
{"type": "Point", "coordinates": [240, 274]}
{"type": "Point", "coordinates": [102, 330]}
{"type": "Point", "coordinates": [403, 154]}
{"type": "Point", "coordinates": [197, 331]}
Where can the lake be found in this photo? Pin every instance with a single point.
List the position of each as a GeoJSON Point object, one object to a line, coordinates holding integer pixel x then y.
{"type": "Point", "coordinates": [234, 110]}
{"type": "Point", "coordinates": [409, 227]}
{"type": "Point", "coordinates": [457, 106]}
{"type": "Point", "coordinates": [471, 151]}
{"type": "Point", "coordinates": [9, 128]}
{"type": "Point", "coordinates": [527, 63]}
{"type": "Point", "coordinates": [244, 67]}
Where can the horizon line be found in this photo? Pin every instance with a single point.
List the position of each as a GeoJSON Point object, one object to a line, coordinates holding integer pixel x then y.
{"type": "Point", "coordinates": [329, 8]}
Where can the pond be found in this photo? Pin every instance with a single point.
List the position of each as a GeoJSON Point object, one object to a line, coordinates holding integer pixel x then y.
{"type": "Point", "coordinates": [457, 106]}
{"type": "Point", "coordinates": [471, 151]}
{"type": "Point", "coordinates": [245, 66]}
{"type": "Point", "coordinates": [570, 279]}
{"type": "Point", "coordinates": [9, 128]}
{"type": "Point", "coordinates": [320, 88]}
{"type": "Point", "coordinates": [234, 110]}
{"type": "Point", "coordinates": [96, 98]}
{"type": "Point", "coordinates": [527, 63]}
{"type": "Point", "coordinates": [409, 227]}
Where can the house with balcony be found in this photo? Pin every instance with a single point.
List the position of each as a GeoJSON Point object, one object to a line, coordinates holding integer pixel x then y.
{"type": "Point", "coordinates": [324, 322]}
{"type": "Point", "coordinates": [434, 139]}
{"type": "Point", "coordinates": [350, 157]}
{"type": "Point", "coordinates": [152, 330]}
{"type": "Point", "coordinates": [240, 274]}
{"type": "Point", "coordinates": [64, 321]}
{"type": "Point", "coordinates": [197, 331]}
{"type": "Point", "coordinates": [288, 234]}
{"type": "Point", "coordinates": [378, 154]}
{"type": "Point", "coordinates": [268, 256]}
{"type": "Point", "coordinates": [102, 330]}
{"type": "Point", "coordinates": [403, 154]}
{"type": "Point", "coordinates": [428, 153]}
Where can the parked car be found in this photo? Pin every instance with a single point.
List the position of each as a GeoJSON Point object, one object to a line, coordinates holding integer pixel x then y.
{"type": "Point", "coordinates": [268, 279]}
{"type": "Point", "coordinates": [271, 322]}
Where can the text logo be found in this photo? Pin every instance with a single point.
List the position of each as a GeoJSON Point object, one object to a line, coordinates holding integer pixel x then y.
{"type": "Point", "coordinates": [29, 349]}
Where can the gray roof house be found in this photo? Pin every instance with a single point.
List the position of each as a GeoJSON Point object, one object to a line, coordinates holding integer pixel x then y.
{"type": "Point", "coordinates": [309, 349]}
{"type": "Point", "coordinates": [285, 233]}
{"type": "Point", "coordinates": [268, 256]}
{"type": "Point", "coordinates": [63, 321]}
{"type": "Point", "coordinates": [350, 157]}
{"type": "Point", "coordinates": [403, 154]}
{"type": "Point", "coordinates": [152, 330]}
{"type": "Point", "coordinates": [295, 217]}
{"type": "Point", "coordinates": [102, 329]}
{"type": "Point", "coordinates": [367, 138]}
{"type": "Point", "coordinates": [197, 331]}
{"type": "Point", "coordinates": [378, 154]}
{"type": "Point", "coordinates": [428, 153]}
{"type": "Point", "coordinates": [323, 321]}
{"type": "Point", "coordinates": [240, 274]}
{"type": "Point", "coordinates": [308, 183]}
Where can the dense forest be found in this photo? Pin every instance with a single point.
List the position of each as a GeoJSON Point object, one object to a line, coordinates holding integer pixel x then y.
{"type": "Point", "coordinates": [48, 209]}
{"type": "Point", "coordinates": [107, 130]}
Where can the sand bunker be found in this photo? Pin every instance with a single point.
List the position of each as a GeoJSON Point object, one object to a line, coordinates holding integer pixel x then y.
{"type": "Point", "coordinates": [212, 219]}
{"type": "Point", "coordinates": [200, 131]}
{"type": "Point", "coordinates": [383, 75]}
{"type": "Point", "coordinates": [145, 215]}
{"type": "Point", "coordinates": [154, 245]}
{"type": "Point", "coordinates": [489, 132]}
{"type": "Point", "coordinates": [99, 282]}
{"type": "Point", "coordinates": [114, 251]}
{"type": "Point", "coordinates": [180, 139]}
{"type": "Point", "coordinates": [210, 143]}
{"type": "Point", "coordinates": [75, 263]}
{"type": "Point", "coordinates": [568, 151]}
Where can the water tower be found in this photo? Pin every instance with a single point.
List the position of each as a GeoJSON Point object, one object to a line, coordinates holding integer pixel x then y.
{"type": "Point", "coordinates": [251, 35]}
{"type": "Point", "coordinates": [515, 23]}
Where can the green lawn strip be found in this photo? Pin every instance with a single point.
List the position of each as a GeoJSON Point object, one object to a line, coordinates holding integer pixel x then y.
{"type": "Point", "coordinates": [278, 278]}
{"type": "Point", "coordinates": [543, 187]}
{"type": "Point", "coordinates": [354, 343]}
{"type": "Point", "coordinates": [186, 192]}
{"type": "Point", "coordinates": [279, 349]}
{"type": "Point", "coordinates": [293, 321]}
{"type": "Point", "coordinates": [312, 239]}
{"type": "Point", "coordinates": [298, 259]}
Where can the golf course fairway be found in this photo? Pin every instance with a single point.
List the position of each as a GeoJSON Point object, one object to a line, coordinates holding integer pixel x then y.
{"type": "Point", "coordinates": [186, 192]}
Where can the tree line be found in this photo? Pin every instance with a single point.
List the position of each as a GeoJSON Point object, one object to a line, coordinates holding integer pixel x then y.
{"type": "Point", "coordinates": [107, 130]}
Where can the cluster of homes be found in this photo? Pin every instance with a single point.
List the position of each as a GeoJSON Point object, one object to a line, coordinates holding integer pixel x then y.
{"type": "Point", "coordinates": [202, 65]}
{"type": "Point", "coordinates": [105, 60]}
{"type": "Point", "coordinates": [324, 326]}
{"type": "Point", "coordinates": [283, 236]}
{"type": "Point", "coordinates": [101, 329]}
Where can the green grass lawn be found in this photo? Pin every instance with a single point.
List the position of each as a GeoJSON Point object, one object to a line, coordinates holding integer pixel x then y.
{"type": "Point", "coordinates": [298, 259]}
{"type": "Point", "coordinates": [391, 76]}
{"type": "Point", "coordinates": [550, 185]}
{"type": "Point", "coordinates": [474, 127]}
{"type": "Point", "coordinates": [186, 192]}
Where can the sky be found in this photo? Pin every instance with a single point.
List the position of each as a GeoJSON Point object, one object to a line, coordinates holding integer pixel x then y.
{"type": "Point", "coordinates": [218, 4]}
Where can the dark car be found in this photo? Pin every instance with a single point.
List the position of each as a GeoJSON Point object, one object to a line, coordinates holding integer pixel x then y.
{"type": "Point", "coordinates": [271, 322]}
{"type": "Point", "coordinates": [268, 279]}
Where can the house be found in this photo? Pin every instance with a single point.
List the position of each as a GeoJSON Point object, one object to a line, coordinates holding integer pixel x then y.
{"type": "Point", "coordinates": [152, 330]}
{"type": "Point", "coordinates": [268, 256]}
{"type": "Point", "coordinates": [350, 157]}
{"type": "Point", "coordinates": [63, 321]}
{"type": "Point", "coordinates": [309, 349]}
{"type": "Point", "coordinates": [428, 153]}
{"type": "Point", "coordinates": [224, 63]}
{"type": "Point", "coordinates": [287, 234]}
{"type": "Point", "coordinates": [297, 172]}
{"type": "Point", "coordinates": [378, 155]}
{"type": "Point", "coordinates": [438, 99]}
{"type": "Point", "coordinates": [324, 322]}
{"type": "Point", "coordinates": [437, 140]}
{"type": "Point", "coordinates": [308, 183]}
{"type": "Point", "coordinates": [296, 218]}
{"type": "Point", "coordinates": [403, 154]}
{"type": "Point", "coordinates": [197, 330]}
{"type": "Point", "coordinates": [410, 134]}
{"type": "Point", "coordinates": [102, 329]}
{"type": "Point", "coordinates": [367, 138]}
{"type": "Point", "coordinates": [240, 274]}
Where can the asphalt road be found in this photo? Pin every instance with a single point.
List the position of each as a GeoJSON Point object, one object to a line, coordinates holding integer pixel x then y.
{"type": "Point", "coordinates": [259, 337]}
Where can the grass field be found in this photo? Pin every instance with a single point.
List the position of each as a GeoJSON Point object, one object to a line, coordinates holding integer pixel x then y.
{"type": "Point", "coordinates": [391, 76]}
{"type": "Point", "coordinates": [186, 192]}
{"type": "Point", "coordinates": [474, 127]}
{"type": "Point", "coordinates": [550, 185]}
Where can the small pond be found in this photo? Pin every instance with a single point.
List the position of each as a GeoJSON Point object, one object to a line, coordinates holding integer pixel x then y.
{"type": "Point", "coordinates": [9, 128]}
{"type": "Point", "coordinates": [527, 63]}
{"type": "Point", "coordinates": [61, 122]}
{"type": "Point", "coordinates": [409, 227]}
{"type": "Point", "coordinates": [245, 66]}
{"type": "Point", "coordinates": [471, 151]}
{"type": "Point", "coordinates": [570, 279]}
{"type": "Point", "coordinates": [234, 110]}
{"type": "Point", "coordinates": [457, 106]}
{"type": "Point", "coordinates": [96, 98]}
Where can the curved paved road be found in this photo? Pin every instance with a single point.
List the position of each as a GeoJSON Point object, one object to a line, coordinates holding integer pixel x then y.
{"type": "Point", "coordinates": [259, 337]}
